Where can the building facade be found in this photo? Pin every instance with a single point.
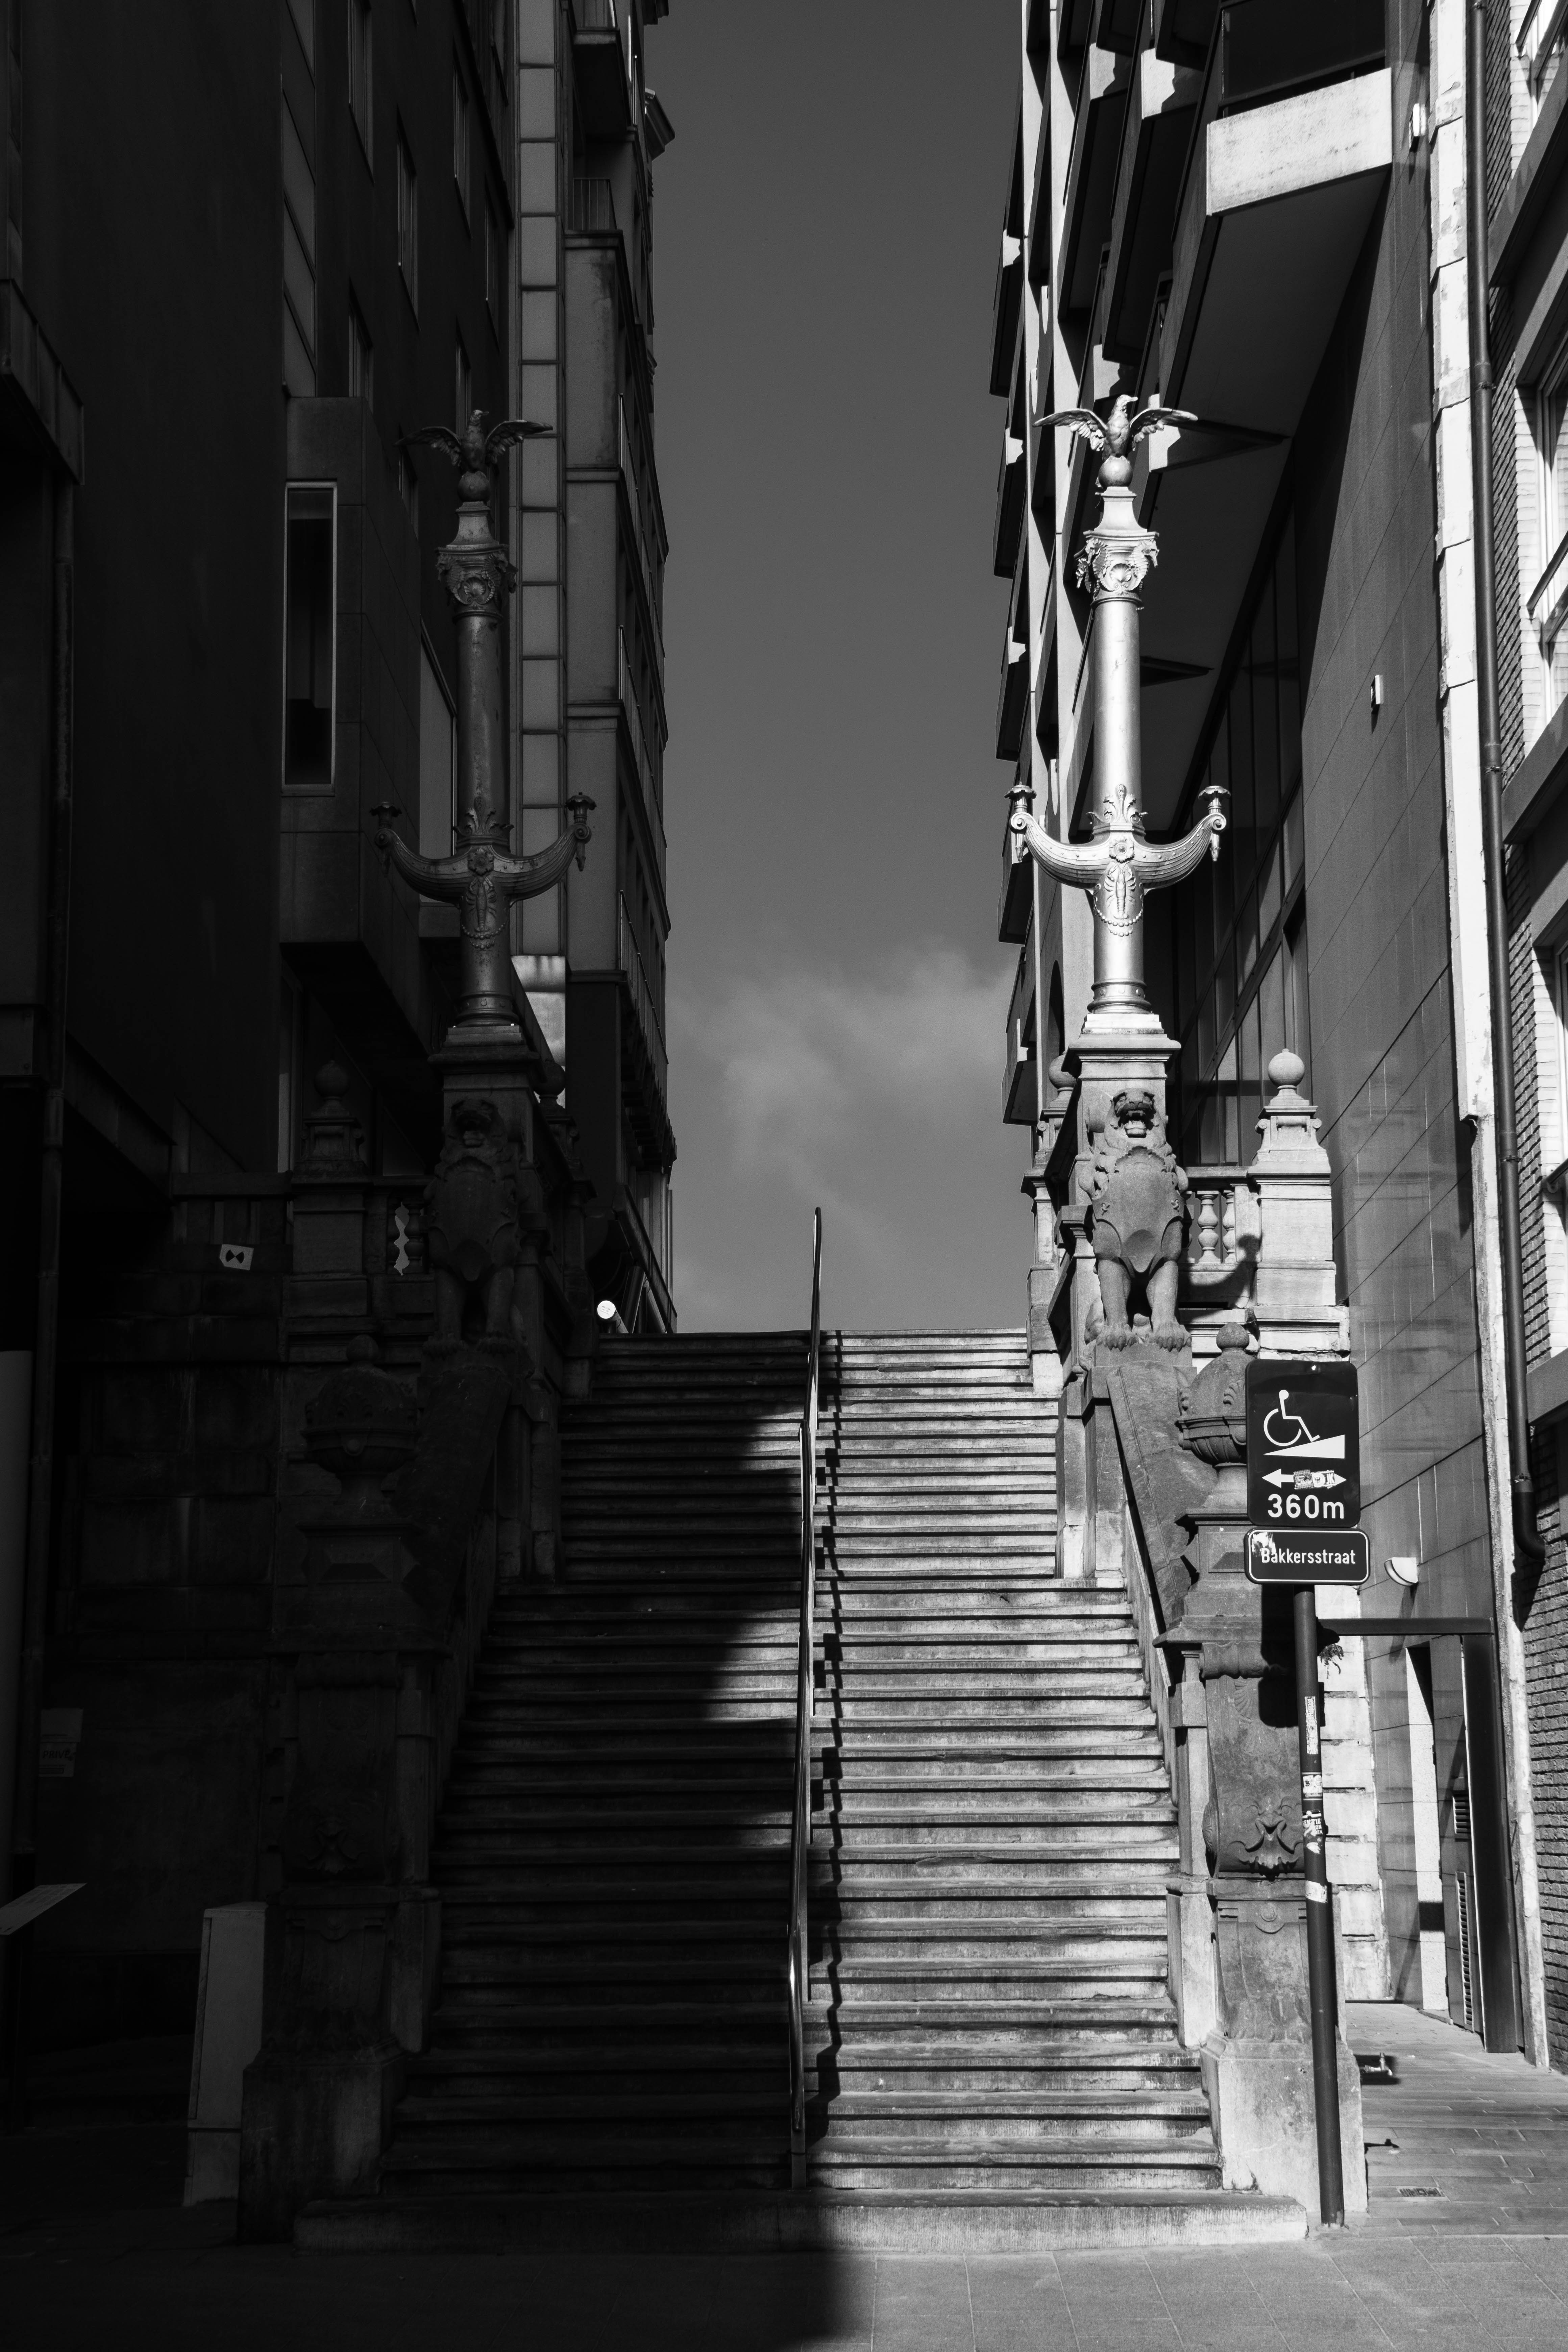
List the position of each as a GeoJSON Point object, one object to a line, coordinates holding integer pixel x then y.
{"type": "Point", "coordinates": [1256, 214]}
{"type": "Point", "coordinates": [1526, 108]}
{"type": "Point", "coordinates": [251, 255]}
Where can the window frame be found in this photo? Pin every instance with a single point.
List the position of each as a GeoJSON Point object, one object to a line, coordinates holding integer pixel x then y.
{"type": "Point", "coordinates": [307, 791]}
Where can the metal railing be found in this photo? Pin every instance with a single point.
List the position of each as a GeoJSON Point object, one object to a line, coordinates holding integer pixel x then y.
{"type": "Point", "coordinates": [800, 1834]}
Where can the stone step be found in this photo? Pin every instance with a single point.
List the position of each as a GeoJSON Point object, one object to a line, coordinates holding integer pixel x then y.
{"type": "Point", "coordinates": [1002, 2170]}
{"type": "Point", "coordinates": [955, 1855]}
{"type": "Point", "coordinates": [437, 2213]}
{"type": "Point", "coordinates": [483, 2025]}
{"type": "Point", "coordinates": [993, 1834]}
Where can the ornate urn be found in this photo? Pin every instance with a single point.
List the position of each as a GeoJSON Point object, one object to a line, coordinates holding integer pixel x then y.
{"type": "Point", "coordinates": [361, 1425]}
{"type": "Point", "coordinates": [1211, 1423]}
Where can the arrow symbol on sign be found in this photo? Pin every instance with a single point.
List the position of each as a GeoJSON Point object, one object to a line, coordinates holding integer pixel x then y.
{"type": "Point", "coordinates": [1317, 1478]}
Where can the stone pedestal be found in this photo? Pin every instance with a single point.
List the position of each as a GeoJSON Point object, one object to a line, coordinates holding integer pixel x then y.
{"type": "Point", "coordinates": [314, 2115]}
{"type": "Point", "coordinates": [1257, 2064]}
{"type": "Point", "coordinates": [489, 1230]}
{"type": "Point", "coordinates": [1257, 2059]}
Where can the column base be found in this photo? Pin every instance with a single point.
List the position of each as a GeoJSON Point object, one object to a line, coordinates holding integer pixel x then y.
{"type": "Point", "coordinates": [1265, 2119]}
{"type": "Point", "coordinates": [312, 2124]}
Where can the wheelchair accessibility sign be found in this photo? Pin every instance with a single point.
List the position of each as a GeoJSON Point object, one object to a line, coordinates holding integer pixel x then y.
{"type": "Point", "coordinates": [1303, 1472]}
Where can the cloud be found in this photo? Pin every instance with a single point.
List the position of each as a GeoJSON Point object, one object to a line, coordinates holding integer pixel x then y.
{"type": "Point", "coordinates": [875, 1093]}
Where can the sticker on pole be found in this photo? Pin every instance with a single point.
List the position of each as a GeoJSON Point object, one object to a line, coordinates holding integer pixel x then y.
{"type": "Point", "coordinates": [1303, 1446]}
{"type": "Point", "coordinates": [1311, 1556]}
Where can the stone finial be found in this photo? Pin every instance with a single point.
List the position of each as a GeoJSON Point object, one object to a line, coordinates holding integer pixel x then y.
{"type": "Point", "coordinates": [334, 1140]}
{"type": "Point", "coordinates": [1290, 1127]}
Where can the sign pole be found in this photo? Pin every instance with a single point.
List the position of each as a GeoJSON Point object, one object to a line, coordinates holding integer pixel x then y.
{"type": "Point", "coordinates": [1320, 1988]}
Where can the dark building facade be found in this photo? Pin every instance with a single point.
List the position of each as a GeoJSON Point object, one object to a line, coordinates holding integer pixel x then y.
{"type": "Point", "coordinates": [251, 251]}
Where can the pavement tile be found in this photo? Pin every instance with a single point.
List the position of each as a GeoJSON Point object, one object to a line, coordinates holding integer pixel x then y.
{"type": "Point", "coordinates": [1116, 2303]}
{"type": "Point", "coordinates": [922, 2304]}
{"type": "Point", "coordinates": [1019, 2305]}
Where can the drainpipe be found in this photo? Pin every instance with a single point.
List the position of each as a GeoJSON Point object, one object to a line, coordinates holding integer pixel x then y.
{"type": "Point", "coordinates": [46, 1341]}
{"type": "Point", "coordinates": [1527, 1543]}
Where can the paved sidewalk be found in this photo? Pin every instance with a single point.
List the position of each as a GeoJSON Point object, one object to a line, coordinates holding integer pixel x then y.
{"type": "Point", "coordinates": [129, 2287]}
{"type": "Point", "coordinates": [1461, 2138]}
{"type": "Point", "coordinates": [96, 2256]}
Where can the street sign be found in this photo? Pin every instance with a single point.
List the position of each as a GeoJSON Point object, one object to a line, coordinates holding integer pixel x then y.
{"type": "Point", "coordinates": [1303, 1446]}
{"type": "Point", "coordinates": [1307, 1556]}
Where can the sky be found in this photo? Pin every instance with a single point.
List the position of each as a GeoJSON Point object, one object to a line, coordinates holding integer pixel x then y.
{"type": "Point", "coordinates": [826, 233]}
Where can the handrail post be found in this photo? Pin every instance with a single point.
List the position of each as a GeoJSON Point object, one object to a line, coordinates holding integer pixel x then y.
{"type": "Point", "coordinates": [798, 1964]}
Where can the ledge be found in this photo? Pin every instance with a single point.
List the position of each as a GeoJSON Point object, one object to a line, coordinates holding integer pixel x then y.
{"type": "Point", "coordinates": [1540, 168]}
{"type": "Point", "coordinates": [1536, 784]}
{"type": "Point", "coordinates": [39, 407]}
{"type": "Point", "coordinates": [1547, 1390]}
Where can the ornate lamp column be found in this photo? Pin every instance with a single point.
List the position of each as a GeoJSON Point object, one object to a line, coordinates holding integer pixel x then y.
{"type": "Point", "coordinates": [1121, 1218]}
{"type": "Point", "coordinates": [488, 1219]}
{"type": "Point", "coordinates": [1121, 865]}
{"type": "Point", "coordinates": [481, 876]}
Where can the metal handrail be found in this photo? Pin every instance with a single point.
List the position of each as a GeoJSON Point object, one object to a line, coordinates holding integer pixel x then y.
{"type": "Point", "coordinates": [800, 1831]}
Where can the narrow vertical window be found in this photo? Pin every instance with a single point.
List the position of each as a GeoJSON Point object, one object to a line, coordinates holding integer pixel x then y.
{"type": "Point", "coordinates": [460, 137]}
{"type": "Point", "coordinates": [462, 386]}
{"type": "Point", "coordinates": [1549, 597]}
{"type": "Point", "coordinates": [408, 486]}
{"type": "Point", "coordinates": [360, 75]}
{"type": "Point", "coordinates": [361, 357]}
{"type": "Point", "coordinates": [438, 762]}
{"type": "Point", "coordinates": [309, 638]}
{"type": "Point", "coordinates": [492, 266]}
{"type": "Point", "coordinates": [407, 220]}
{"type": "Point", "coordinates": [304, 14]}
{"type": "Point", "coordinates": [299, 263]}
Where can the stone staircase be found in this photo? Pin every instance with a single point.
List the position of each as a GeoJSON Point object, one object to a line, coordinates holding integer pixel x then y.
{"type": "Point", "coordinates": [992, 2048]}
{"type": "Point", "coordinates": [613, 1850]}
{"type": "Point", "coordinates": [997, 1830]}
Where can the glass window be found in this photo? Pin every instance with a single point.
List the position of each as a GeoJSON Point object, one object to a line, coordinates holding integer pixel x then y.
{"type": "Point", "coordinates": [1540, 42]}
{"type": "Point", "coordinates": [462, 386]}
{"type": "Point", "coordinates": [1265, 719]}
{"type": "Point", "coordinates": [1243, 841]}
{"type": "Point", "coordinates": [359, 74]}
{"type": "Point", "coordinates": [309, 638]}
{"type": "Point", "coordinates": [299, 264]}
{"type": "Point", "coordinates": [361, 357]}
{"type": "Point", "coordinates": [438, 762]}
{"type": "Point", "coordinates": [460, 137]}
{"type": "Point", "coordinates": [1548, 603]}
{"type": "Point", "coordinates": [407, 220]}
{"type": "Point", "coordinates": [1234, 1019]}
{"type": "Point", "coordinates": [492, 266]}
